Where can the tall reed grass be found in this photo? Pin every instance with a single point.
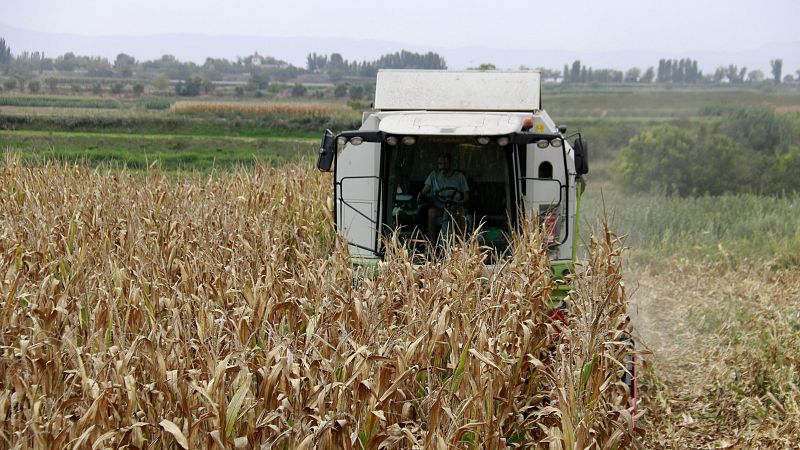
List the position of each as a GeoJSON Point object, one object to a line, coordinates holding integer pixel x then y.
{"type": "Point", "coordinates": [731, 228]}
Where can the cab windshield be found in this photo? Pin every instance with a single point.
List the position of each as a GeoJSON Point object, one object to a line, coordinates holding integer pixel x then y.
{"type": "Point", "coordinates": [439, 187]}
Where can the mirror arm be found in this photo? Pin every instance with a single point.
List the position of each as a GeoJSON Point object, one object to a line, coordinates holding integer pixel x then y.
{"type": "Point", "coordinates": [523, 137]}
{"type": "Point", "coordinates": [368, 136]}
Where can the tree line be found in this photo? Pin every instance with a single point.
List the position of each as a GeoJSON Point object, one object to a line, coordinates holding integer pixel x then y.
{"type": "Point", "coordinates": [337, 67]}
{"type": "Point", "coordinates": [260, 70]}
{"type": "Point", "coordinates": [674, 71]}
{"type": "Point", "coordinates": [255, 66]}
{"type": "Point", "coordinates": [126, 66]}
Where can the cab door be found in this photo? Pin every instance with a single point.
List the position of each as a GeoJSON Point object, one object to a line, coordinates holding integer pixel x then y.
{"type": "Point", "coordinates": [357, 194]}
{"type": "Point", "coordinates": [542, 188]}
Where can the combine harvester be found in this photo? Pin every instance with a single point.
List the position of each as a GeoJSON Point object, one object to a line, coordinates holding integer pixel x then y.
{"type": "Point", "coordinates": [489, 126]}
{"type": "Point", "coordinates": [492, 128]}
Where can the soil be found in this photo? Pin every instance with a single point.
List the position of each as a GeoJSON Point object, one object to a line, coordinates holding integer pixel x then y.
{"type": "Point", "coordinates": [674, 379]}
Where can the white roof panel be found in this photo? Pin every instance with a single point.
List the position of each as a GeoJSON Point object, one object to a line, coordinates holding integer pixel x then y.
{"type": "Point", "coordinates": [453, 124]}
{"type": "Point", "coordinates": [470, 90]}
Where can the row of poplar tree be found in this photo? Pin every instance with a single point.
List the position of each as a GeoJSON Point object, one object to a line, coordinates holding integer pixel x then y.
{"type": "Point", "coordinates": [671, 71]}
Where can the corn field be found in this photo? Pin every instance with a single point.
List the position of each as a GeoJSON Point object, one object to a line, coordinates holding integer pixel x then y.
{"type": "Point", "coordinates": [287, 108]}
{"type": "Point", "coordinates": [142, 311]}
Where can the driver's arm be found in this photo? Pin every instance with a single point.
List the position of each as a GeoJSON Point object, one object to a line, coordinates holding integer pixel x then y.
{"type": "Point", "coordinates": [427, 187]}
{"type": "Point", "coordinates": [424, 191]}
{"type": "Point", "coordinates": [464, 188]}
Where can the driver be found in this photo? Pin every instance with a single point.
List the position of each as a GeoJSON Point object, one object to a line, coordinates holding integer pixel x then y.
{"type": "Point", "coordinates": [445, 185]}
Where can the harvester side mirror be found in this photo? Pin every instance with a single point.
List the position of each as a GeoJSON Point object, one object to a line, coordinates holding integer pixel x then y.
{"type": "Point", "coordinates": [581, 148]}
{"type": "Point", "coordinates": [327, 150]}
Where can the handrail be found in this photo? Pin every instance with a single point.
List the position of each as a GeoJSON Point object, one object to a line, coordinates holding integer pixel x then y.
{"type": "Point", "coordinates": [562, 188]}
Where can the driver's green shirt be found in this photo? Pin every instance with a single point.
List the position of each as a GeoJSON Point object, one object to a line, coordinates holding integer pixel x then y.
{"type": "Point", "coordinates": [437, 182]}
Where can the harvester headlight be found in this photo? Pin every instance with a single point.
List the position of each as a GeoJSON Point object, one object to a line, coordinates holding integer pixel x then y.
{"type": "Point", "coordinates": [543, 143]}
{"type": "Point", "coordinates": [483, 140]}
{"type": "Point", "coordinates": [502, 141]}
{"type": "Point", "coordinates": [556, 142]}
{"type": "Point", "coordinates": [356, 140]}
{"type": "Point", "coordinates": [341, 140]}
{"type": "Point", "coordinates": [409, 140]}
{"type": "Point", "coordinates": [391, 140]}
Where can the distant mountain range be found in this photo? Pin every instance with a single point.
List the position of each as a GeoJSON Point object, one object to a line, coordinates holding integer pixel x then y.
{"type": "Point", "coordinates": [196, 47]}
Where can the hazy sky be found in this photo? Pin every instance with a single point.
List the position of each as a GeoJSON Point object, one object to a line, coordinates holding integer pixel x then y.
{"type": "Point", "coordinates": [585, 25]}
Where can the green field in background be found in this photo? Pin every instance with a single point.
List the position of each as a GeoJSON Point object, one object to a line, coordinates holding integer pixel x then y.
{"type": "Point", "coordinates": [172, 152]}
{"type": "Point", "coordinates": [728, 228]}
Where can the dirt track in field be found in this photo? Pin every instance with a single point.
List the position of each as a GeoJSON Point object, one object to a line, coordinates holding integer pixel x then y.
{"type": "Point", "coordinates": [722, 359]}
{"type": "Point", "coordinates": [675, 375]}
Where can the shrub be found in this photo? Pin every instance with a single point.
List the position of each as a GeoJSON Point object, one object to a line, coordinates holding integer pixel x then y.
{"type": "Point", "coordinates": [10, 84]}
{"type": "Point", "coordinates": [340, 90]}
{"type": "Point", "coordinates": [298, 90]}
{"type": "Point", "coordinates": [716, 110]}
{"type": "Point", "coordinates": [161, 82]}
{"type": "Point", "coordinates": [52, 83]}
{"type": "Point", "coordinates": [207, 86]}
{"type": "Point", "coordinates": [189, 87]}
{"type": "Point", "coordinates": [788, 170]}
{"type": "Point", "coordinates": [677, 161]}
{"type": "Point", "coordinates": [259, 81]}
{"type": "Point", "coordinates": [355, 104]}
{"type": "Point", "coordinates": [356, 92]}
{"type": "Point", "coordinates": [759, 129]}
{"type": "Point", "coordinates": [157, 103]}
{"type": "Point", "coordinates": [747, 152]}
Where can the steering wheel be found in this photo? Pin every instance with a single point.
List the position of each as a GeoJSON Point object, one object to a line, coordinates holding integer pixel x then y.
{"type": "Point", "coordinates": [449, 196]}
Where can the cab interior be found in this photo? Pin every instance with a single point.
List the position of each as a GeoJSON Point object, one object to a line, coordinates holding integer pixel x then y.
{"type": "Point", "coordinates": [489, 172]}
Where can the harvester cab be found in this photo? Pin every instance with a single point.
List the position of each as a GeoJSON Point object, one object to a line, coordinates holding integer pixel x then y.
{"type": "Point", "coordinates": [504, 156]}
